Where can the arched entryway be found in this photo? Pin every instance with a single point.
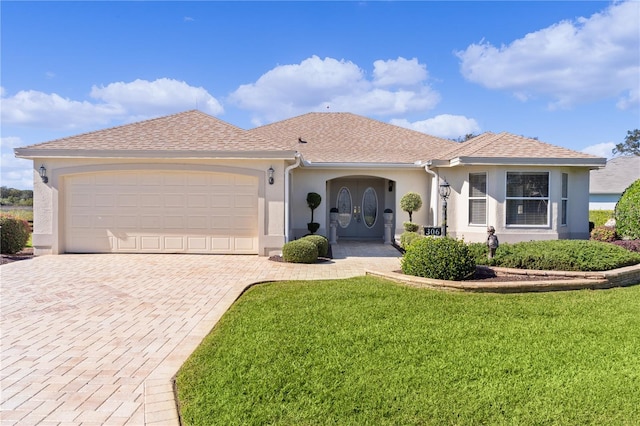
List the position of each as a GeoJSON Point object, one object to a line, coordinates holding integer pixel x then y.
{"type": "Point", "coordinates": [360, 201]}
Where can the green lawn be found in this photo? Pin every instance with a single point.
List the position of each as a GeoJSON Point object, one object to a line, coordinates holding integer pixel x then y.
{"type": "Point", "coordinates": [366, 351]}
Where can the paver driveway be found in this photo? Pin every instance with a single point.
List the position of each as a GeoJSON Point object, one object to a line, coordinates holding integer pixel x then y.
{"type": "Point", "coordinates": [96, 339]}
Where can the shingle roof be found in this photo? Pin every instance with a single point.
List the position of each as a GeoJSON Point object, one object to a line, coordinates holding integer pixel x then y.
{"type": "Point", "coordinates": [338, 137]}
{"type": "Point", "coordinates": [618, 174]}
{"type": "Point", "coordinates": [187, 131]}
{"type": "Point", "coordinates": [329, 138]}
{"type": "Point", "coordinates": [507, 145]}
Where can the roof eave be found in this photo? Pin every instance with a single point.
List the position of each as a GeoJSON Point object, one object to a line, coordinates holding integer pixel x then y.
{"type": "Point", "coordinates": [31, 153]}
{"type": "Point", "coordinates": [594, 163]}
{"type": "Point", "coordinates": [353, 165]}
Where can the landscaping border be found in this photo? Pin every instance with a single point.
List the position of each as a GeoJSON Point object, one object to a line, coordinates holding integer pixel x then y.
{"type": "Point", "coordinates": [558, 280]}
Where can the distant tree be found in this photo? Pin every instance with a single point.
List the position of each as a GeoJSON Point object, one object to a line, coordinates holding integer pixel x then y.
{"type": "Point", "coordinates": [631, 144]}
{"type": "Point", "coordinates": [15, 197]}
{"type": "Point", "coordinates": [464, 138]}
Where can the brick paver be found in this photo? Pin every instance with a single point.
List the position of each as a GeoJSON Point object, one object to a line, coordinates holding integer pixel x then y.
{"type": "Point", "coordinates": [96, 339]}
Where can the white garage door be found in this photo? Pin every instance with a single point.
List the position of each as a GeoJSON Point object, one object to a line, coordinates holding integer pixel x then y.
{"type": "Point", "coordinates": [161, 212]}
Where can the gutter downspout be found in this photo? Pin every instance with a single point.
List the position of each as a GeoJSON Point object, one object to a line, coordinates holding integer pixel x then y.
{"type": "Point", "coordinates": [437, 180]}
{"type": "Point", "coordinates": [287, 171]}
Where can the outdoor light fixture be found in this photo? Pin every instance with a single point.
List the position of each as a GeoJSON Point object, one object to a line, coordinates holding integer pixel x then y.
{"type": "Point", "coordinates": [390, 186]}
{"type": "Point", "coordinates": [445, 191]}
{"type": "Point", "coordinates": [270, 175]}
{"type": "Point", "coordinates": [43, 174]}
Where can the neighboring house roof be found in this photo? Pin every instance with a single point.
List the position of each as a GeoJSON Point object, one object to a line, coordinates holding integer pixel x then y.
{"type": "Point", "coordinates": [492, 148]}
{"type": "Point", "coordinates": [181, 134]}
{"type": "Point", "coordinates": [618, 174]}
{"type": "Point", "coordinates": [340, 137]}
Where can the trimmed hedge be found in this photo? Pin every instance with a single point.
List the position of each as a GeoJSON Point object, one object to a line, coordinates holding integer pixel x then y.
{"type": "Point", "coordinates": [300, 251]}
{"type": "Point", "coordinates": [321, 242]}
{"type": "Point", "coordinates": [600, 217]}
{"type": "Point", "coordinates": [561, 255]}
{"type": "Point", "coordinates": [440, 258]}
{"type": "Point", "coordinates": [14, 234]}
{"type": "Point", "coordinates": [628, 212]}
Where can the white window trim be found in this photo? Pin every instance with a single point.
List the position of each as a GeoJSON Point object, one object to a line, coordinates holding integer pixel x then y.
{"type": "Point", "coordinates": [564, 198]}
{"type": "Point", "coordinates": [547, 199]}
{"type": "Point", "coordinates": [486, 191]}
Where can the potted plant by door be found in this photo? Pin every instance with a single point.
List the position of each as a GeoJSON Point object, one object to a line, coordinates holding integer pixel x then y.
{"type": "Point", "coordinates": [388, 215]}
{"type": "Point", "coordinates": [333, 214]}
{"type": "Point", "coordinates": [313, 201]}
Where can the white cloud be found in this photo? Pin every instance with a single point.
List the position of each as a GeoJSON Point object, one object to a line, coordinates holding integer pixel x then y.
{"type": "Point", "coordinates": [400, 72]}
{"type": "Point", "coordinates": [571, 62]}
{"type": "Point", "coordinates": [142, 97]}
{"type": "Point", "coordinates": [444, 126]}
{"type": "Point", "coordinates": [601, 149]}
{"type": "Point", "coordinates": [316, 84]}
{"type": "Point", "coordinates": [38, 109]}
{"type": "Point", "coordinates": [14, 172]}
{"type": "Point", "coordinates": [137, 100]}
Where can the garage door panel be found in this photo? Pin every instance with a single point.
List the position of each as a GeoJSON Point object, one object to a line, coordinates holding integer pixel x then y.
{"type": "Point", "coordinates": [145, 211]}
{"type": "Point", "coordinates": [150, 243]}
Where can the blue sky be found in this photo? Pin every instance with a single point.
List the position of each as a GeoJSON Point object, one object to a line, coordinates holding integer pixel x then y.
{"type": "Point", "coordinates": [567, 73]}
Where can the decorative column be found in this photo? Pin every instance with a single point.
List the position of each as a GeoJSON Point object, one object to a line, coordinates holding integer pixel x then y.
{"type": "Point", "coordinates": [333, 227]}
{"type": "Point", "coordinates": [388, 226]}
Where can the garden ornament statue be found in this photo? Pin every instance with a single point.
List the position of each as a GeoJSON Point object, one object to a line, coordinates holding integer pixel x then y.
{"type": "Point", "coordinates": [492, 241]}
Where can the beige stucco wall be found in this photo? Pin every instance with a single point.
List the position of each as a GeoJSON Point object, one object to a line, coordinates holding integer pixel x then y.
{"type": "Point", "coordinates": [578, 204]}
{"type": "Point", "coordinates": [310, 179]}
{"type": "Point", "coordinates": [49, 198]}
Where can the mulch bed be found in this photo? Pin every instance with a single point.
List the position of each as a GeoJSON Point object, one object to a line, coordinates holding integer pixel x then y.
{"type": "Point", "coordinates": [23, 255]}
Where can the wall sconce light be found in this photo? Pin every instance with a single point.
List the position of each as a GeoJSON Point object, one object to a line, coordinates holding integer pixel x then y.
{"type": "Point", "coordinates": [390, 186]}
{"type": "Point", "coordinates": [43, 174]}
{"type": "Point", "coordinates": [270, 175]}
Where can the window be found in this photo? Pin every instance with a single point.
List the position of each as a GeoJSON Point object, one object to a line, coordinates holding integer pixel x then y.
{"type": "Point", "coordinates": [369, 207]}
{"type": "Point", "coordinates": [527, 198]}
{"type": "Point", "coordinates": [564, 198]}
{"type": "Point", "coordinates": [345, 205]}
{"type": "Point", "coordinates": [477, 198]}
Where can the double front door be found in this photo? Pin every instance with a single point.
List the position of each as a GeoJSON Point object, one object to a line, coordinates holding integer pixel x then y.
{"type": "Point", "coordinates": [360, 203]}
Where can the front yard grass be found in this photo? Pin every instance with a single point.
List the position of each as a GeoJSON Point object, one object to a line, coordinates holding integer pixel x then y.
{"type": "Point", "coordinates": [367, 351]}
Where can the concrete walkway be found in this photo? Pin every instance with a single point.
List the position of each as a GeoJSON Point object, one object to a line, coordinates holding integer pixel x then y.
{"type": "Point", "coordinates": [96, 339]}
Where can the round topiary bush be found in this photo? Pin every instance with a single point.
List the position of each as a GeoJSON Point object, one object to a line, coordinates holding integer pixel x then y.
{"type": "Point", "coordinates": [627, 212]}
{"type": "Point", "coordinates": [411, 202]}
{"type": "Point", "coordinates": [300, 251]}
{"type": "Point", "coordinates": [14, 234]}
{"type": "Point", "coordinates": [410, 226]}
{"type": "Point", "coordinates": [321, 243]}
{"type": "Point", "coordinates": [441, 258]}
{"type": "Point", "coordinates": [604, 233]}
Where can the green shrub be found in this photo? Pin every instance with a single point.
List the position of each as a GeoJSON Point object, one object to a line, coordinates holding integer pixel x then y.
{"type": "Point", "coordinates": [604, 233]}
{"type": "Point", "coordinates": [14, 234]}
{"type": "Point", "coordinates": [410, 226]}
{"type": "Point", "coordinates": [600, 217]}
{"type": "Point", "coordinates": [479, 253]}
{"type": "Point", "coordinates": [321, 242]}
{"type": "Point", "coordinates": [409, 237]}
{"type": "Point", "coordinates": [564, 255]}
{"type": "Point", "coordinates": [441, 258]}
{"type": "Point", "coordinates": [627, 212]}
{"type": "Point", "coordinates": [300, 251]}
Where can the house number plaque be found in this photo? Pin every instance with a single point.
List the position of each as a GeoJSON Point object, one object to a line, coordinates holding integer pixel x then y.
{"type": "Point", "coordinates": [435, 231]}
